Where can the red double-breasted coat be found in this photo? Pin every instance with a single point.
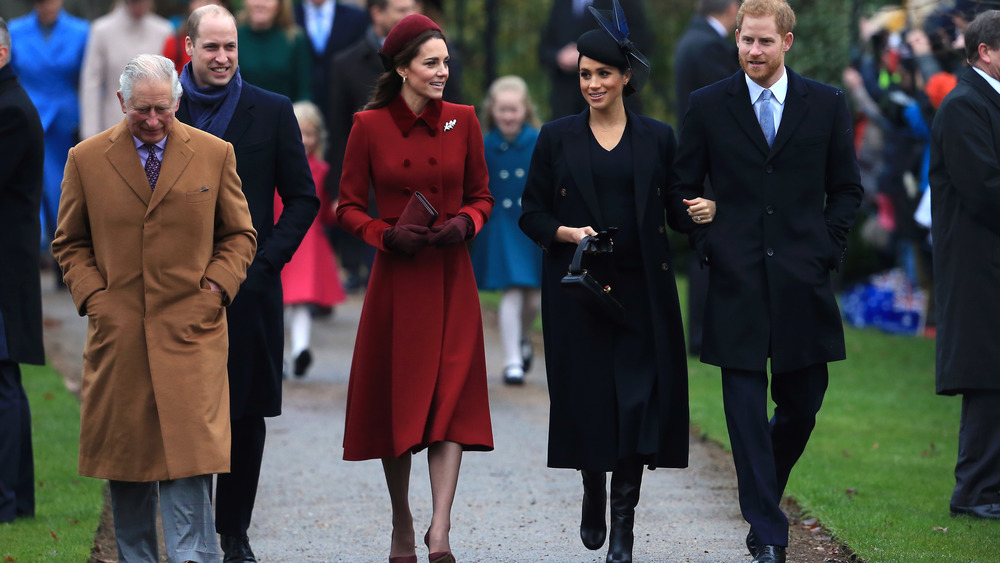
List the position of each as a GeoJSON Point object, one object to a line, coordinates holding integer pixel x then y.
{"type": "Point", "coordinates": [419, 369]}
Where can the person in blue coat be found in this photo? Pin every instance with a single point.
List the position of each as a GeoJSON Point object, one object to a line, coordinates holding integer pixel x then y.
{"type": "Point", "coordinates": [503, 257]}
{"type": "Point", "coordinates": [48, 58]}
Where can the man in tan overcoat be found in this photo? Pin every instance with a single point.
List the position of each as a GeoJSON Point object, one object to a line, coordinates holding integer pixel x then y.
{"type": "Point", "coordinates": [154, 238]}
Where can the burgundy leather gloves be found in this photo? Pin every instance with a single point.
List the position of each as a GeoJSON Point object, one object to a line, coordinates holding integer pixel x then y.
{"type": "Point", "coordinates": [453, 231]}
{"type": "Point", "coordinates": [406, 239]}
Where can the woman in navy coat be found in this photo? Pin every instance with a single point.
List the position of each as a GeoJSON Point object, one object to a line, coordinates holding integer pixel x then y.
{"type": "Point", "coordinates": [618, 390]}
{"type": "Point", "coordinates": [418, 377]}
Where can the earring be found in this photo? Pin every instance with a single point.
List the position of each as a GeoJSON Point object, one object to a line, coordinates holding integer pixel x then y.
{"type": "Point", "coordinates": [404, 80]}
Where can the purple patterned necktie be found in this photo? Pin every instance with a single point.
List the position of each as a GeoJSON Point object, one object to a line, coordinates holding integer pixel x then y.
{"type": "Point", "coordinates": [152, 166]}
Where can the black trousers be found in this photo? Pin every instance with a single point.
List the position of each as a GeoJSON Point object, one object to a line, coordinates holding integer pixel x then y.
{"type": "Point", "coordinates": [977, 473]}
{"type": "Point", "coordinates": [765, 451]}
{"type": "Point", "coordinates": [17, 468]}
{"type": "Point", "coordinates": [236, 491]}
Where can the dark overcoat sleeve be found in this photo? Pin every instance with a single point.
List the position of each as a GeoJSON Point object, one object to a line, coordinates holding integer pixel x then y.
{"type": "Point", "coordinates": [295, 187]}
{"type": "Point", "coordinates": [843, 187]}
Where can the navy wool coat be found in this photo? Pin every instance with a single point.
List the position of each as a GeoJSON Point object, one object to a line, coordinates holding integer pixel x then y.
{"type": "Point", "coordinates": [269, 157]}
{"type": "Point", "coordinates": [781, 227]}
{"type": "Point", "coordinates": [579, 354]}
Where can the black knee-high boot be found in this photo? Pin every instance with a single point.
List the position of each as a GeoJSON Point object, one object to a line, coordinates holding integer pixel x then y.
{"type": "Point", "coordinates": [593, 526]}
{"type": "Point", "coordinates": [625, 482]}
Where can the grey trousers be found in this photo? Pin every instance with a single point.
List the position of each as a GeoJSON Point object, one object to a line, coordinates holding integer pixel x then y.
{"type": "Point", "coordinates": [188, 522]}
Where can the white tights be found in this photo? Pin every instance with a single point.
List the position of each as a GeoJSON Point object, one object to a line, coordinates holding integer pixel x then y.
{"type": "Point", "coordinates": [299, 327]}
{"type": "Point", "coordinates": [518, 309]}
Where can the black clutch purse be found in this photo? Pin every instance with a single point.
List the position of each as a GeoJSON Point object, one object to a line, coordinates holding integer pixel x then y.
{"type": "Point", "coordinates": [594, 295]}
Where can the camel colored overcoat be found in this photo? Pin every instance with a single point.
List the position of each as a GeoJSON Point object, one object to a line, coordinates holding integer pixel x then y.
{"type": "Point", "coordinates": [155, 397]}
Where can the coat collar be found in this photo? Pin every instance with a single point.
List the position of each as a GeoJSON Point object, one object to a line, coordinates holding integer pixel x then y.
{"type": "Point", "coordinates": [979, 84]}
{"type": "Point", "coordinates": [792, 115]}
{"type": "Point", "coordinates": [525, 139]}
{"type": "Point", "coordinates": [123, 157]}
{"type": "Point", "coordinates": [406, 120]}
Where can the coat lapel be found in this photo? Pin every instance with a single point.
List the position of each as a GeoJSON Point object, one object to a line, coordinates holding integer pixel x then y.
{"type": "Point", "coordinates": [643, 161]}
{"type": "Point", "coordinates": [125, 159]}
{"type": "Point", "coordinates": [742, 111]}
{"type": "Point", "coordinates": [242, 118]}
{"type": "Point", "coordinates": [578, 149]}
{"type": "Point", "coordinates": [982, 86]}
{"type": "Point", "coordinates": [176, 157]}
{"type": "Point", "coordinates": [794, 112]}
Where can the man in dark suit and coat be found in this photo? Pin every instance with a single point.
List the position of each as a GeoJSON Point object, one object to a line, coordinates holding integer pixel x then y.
{"type": "Point", "coordinates": [269, 157]}
{"type": "Point", "coordinates": [22, 150]}
{"type": "Point", "coordinates": [965, 228]}
{"type": "Point", "coordinates": [330, 27]}
{"type": "Point", "coordinates": [779, 149]}
{"type": "Point", "coordinates": [705, 54]}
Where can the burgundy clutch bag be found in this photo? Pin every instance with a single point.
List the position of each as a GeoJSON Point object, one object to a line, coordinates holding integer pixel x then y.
{"type": "Point", "coordinates": [418, 211]}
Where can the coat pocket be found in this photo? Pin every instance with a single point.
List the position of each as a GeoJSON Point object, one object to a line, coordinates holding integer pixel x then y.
{"type": "Point", "coordinates": [201, 194]}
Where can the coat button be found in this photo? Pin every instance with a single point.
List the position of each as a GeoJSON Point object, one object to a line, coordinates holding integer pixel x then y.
{"type": "Point", "coordinates": [434, 189]}
{"type": "Point", "coordinates": [504, 174]}
{"type": "Point", "coordinates": [769, 209]}
{"type": "Point", "coordinates": [662, 229]}
{"type": "Point", "coordinates": [507, 203]}
{"type": "Point", "coordinates": [664, 266]}
{"type": "Point", "coordinates": [562, 192]}
{"type": "Point", "coordinates": [432, 161]}
{"type": "Point", "coordinates": [407, 190]}
{"type": "Point", "coordinates": [406, 163]}
{"type": "Point", "coordinates": [769, 169]}
{"type": "Point", "coordinates": [770, 252]}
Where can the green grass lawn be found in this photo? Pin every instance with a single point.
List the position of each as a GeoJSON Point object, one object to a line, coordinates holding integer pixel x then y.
{"type": "Point", "coordinates": [68, 506]}
{"type": "Point", "coordinates": [878, 471]}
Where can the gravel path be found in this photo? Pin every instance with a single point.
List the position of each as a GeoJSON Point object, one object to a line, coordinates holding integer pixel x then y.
{"type": "Point", "coordinates": [314, 507]}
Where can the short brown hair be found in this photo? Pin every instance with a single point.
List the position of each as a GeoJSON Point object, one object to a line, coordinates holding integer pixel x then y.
{"type": "Point", "coordinates": [783, 14]}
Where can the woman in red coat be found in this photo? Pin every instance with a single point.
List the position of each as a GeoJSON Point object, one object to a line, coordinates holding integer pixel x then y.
{"type": "Point", "coordinates": [418, 379]}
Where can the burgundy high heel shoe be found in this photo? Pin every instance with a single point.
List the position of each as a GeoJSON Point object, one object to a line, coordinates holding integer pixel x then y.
{"type": "Point", "coordinates": [437, 556]}
{"type": "Point", "coordinates": [404, 559]}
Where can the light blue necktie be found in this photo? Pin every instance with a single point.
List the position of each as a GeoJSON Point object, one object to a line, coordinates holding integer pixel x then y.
{"type": "Point", "coordinates": [767, 116]}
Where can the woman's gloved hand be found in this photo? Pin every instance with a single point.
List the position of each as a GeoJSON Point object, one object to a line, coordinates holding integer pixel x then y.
{"type": "Point", "coordinates": [453, 231]}
{"type": "Point", "coordinates": [406, 239]}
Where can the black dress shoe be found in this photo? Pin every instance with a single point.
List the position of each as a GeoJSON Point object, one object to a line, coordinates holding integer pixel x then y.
{"type": "Point", "coordinates": [236, 549]}
{"type": "Point", "coordinates": [753, 543]}
{"type": "Point", "coordinates": [770, 554]}
{"type": "Point", "coordinates": [527, 355]}
{"type": "Point", "coordinates": [302, 362]}
{"type": "Point", "coordinates": [989, 511]}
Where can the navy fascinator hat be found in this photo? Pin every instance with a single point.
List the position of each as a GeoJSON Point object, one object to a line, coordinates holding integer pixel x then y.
{"type": "Point", "coordinates": [611, 45]}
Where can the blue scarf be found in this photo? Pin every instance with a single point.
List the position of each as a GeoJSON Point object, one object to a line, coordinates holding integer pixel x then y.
{"type": "Point", "coordinates": [211, 108]}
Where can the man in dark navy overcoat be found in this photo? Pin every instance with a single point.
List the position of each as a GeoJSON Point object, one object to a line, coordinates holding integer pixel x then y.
{"type": "Point", "coordinates": [965, 227]}
{"type": "Point", "coordinates": [269, 157]}
{"type": "Point", "coordinates": [779, 150]}
{"type": "Point", "coordinates": [22, 150]}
